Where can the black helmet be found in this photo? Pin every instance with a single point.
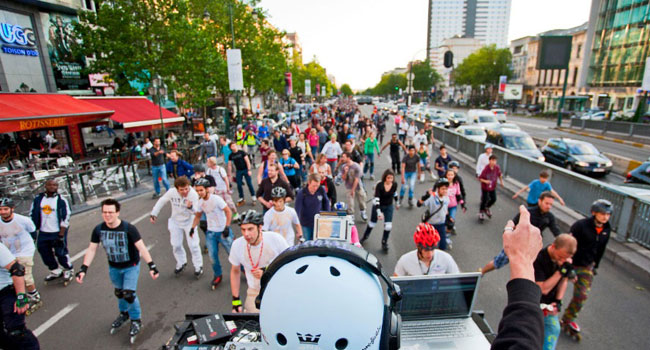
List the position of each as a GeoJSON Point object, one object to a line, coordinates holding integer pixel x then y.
{"type": "Point", "coordinates": [601, 206]}
{"type": "Point", "coordinates": [202, 182]}
{"type": "Point", "coordinates": [278, 192]}
{"type": "Point", "coordinates": [199, 168]}
{"type": "Point", "coordinates": [454, 163]}
{"type": "Point", "coordinates": [7, 202]}
{"type": "Point", "coordinates": [251, 217]}
{"type": "Point", "coordinates": [441, 182]}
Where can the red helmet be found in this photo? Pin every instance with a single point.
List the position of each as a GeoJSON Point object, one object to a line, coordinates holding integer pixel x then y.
{"type": "Point", "coordinates": [426, 236]}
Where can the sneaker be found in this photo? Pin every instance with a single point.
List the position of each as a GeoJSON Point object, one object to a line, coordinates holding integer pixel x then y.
{"type": "Point", "coordinates": [364, 216]}
{"type": "Point", "coordinates": [54, 274]}
{"type": "Point", "coordinates": [235, 217]}
{"type": "Point", "coordinates": [198, 272]}
{"type": "Point", "coordinates": [178, 270]}
{"type": "Point", "coordinates": [488, 212]}
{"type": "Point", "coordinates": [241, 202]}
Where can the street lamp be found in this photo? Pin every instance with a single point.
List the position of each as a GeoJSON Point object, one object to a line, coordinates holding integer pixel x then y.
{"type": "Point", "coordinates": [159, 91]}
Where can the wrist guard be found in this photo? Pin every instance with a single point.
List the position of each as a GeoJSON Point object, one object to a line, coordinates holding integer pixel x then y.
{"type": "Point", "coordinates": [153, 267]}
{"type": "Point", "coordinates": [21, 300]}
{"type": "Point", "coordinates": [236, 302]}
{"type": "Point", "coordinates": [83, 269]}
{"type": "Point", "coordinates": [558, 305]}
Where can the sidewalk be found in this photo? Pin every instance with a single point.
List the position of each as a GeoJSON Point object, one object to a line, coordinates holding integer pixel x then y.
{"type": "Point", "coordinates": [629, 257]}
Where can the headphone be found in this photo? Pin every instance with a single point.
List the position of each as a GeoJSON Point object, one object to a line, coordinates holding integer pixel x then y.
{"type": "Point", "coordinates": [390, 330]}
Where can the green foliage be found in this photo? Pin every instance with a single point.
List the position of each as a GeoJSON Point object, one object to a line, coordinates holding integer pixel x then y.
{"type": "Point", "coordinates": [484, 67]}
{"type": "Point", "coordinates": [311, 71]}
{"type": "Point", "coordinates": [346, 90]}
{"type": "Point", "coordinates": [425, 77]}
{"type": "Point", "coordinates": [387, 84]}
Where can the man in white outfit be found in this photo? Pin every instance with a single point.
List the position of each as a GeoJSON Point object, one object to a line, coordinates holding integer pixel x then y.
{"type": "Point", "coordinates": [183, 199]}
{"type": "Point", "coordinates": [483, 159]}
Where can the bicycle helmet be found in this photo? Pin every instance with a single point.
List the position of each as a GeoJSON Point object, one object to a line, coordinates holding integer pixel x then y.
{"type": "Point", "coordinates": [426, 236]}
{"type": "Point", "coordinates": [202, 182]}
{"type": "Point", "coordinates": [488, 145]}
{"type": "Point", "coordinates": [441, 182]}
{"type": "Point", "coordinates": [251, 217]}
{"type": "Point", "coordinates": [601, 206]}
{"type": "Point", "coordinates": [200, 168]}
{"type": "Point", "coordinates": [278, 192]}
{"type": "Point", "coordinates": [319, 319]}
{"type": "Point", "coordinates": [7, 202]}
{"type": "Point", "coordinates": [454, 163]}
{"type": "Point", "coordinates": [340, 206]}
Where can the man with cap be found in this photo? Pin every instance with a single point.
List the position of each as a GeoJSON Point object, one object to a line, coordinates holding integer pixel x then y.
{"type": "Point", "coordinates": [483, 159]}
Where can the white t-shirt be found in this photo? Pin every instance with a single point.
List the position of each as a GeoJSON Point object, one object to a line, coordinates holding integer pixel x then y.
{"type": "Point", "coordinates": [403, 126]}
{"type": "Point", "coordinates": [331, 150]}
{"type": "Point", "coordinates": [218, 174]}
{"type": "Point", "coordinates": [181, 214]}
{"type": "Point", "coordinates": [420, 138]}
{"type": "Point", "coordinates": [213, 208]}
{"type": "Point", "coordinates": [282, 222]}
{"type": "Point", "coordinates": [481, 163]}
{"type": "Point", "coordinates": [273, 243]}
{"type": "Point", "coordinates": [15, 236]}
{"type": "Point", "coordinates": [411, 131]}
{"type": "Point", "coordinates": [5, 258]}
{"type": "Point", "coordinates": [410, 265]}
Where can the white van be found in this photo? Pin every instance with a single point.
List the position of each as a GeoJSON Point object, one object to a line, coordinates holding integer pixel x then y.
{"type": "Point", "coordinates": [482, 117]}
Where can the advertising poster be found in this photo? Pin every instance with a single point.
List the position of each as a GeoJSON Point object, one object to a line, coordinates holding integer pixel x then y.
{"type": "Point", "coordinates": [60, 45]}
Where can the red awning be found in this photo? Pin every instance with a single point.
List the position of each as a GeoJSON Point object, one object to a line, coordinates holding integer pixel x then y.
{"type": "Point", "coordinates": [29, 111]}
{"type": "Point", "coordinates": [135, 113]}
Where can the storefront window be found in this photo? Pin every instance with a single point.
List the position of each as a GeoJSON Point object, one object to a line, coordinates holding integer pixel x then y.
{"type": "Point", "coordinates": [621, 18]}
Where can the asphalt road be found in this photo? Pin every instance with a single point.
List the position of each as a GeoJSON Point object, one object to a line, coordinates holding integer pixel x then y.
{"type": "Point", "coordinates": [79, 316]}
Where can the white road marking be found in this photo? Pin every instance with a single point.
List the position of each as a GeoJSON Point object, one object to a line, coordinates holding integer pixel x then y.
{"type": "Point", "coordinates": [140, 218]}
{"type": "Point", "coordinates": [59, 315]}
{"type": "Point", "coordinates": [78, 255]}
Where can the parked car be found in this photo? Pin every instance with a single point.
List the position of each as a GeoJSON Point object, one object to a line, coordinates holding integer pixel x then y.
{"type": "Point", "coordinates": [595, 116]}
{"type": "Point", "coordinates": [515, 140]}
{"type": "Point", "coordinates": [534, 108]}
{"type": "Point", "coordinates": [576, 155]}
{"type": "Point", "coordinates": [500, 113]}
{"type": "Point", "coordinates": [437, 120]}
{"type": "Point", "coordinates": [457, 118]}
{"type": "Point", "coordinates": [640, 174]}
{"type": "Point", "coordinates": [472, 132]}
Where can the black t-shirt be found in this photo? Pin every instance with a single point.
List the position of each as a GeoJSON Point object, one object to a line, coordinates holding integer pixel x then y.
{"type": "Point", "coordinates": [385, 198]}
{"type": "Point", "coordinates": [296, 154]}
{"type": "Point", "coordinates": [207, 177]}
{"type": "Point", "coordinates": [264, 190]}
{"type": "Point", "coordinates": [119, 243]}
{"type": "Point", "coordinates": [157, 159]}
{"type": "Point", "coordinates": [239, 159]}
{"type": "Point", "coordinates": [411, 163]}
{"type": "Point", "coordinates": [544, 269]}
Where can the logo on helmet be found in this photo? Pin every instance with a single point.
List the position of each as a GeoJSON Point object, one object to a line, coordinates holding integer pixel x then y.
{"type": "Point", "coordinates": [308, 338]}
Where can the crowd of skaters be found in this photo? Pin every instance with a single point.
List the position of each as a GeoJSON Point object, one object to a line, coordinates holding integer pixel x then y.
{"type": "Point", "coordinates": [296, 176]}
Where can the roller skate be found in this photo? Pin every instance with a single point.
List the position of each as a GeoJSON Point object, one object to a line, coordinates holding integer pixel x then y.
{"type": "Point", "coordinates": [571, 329]}
{"type": "Point", "coordinates": [411, 203]}
{"type": "Point", "coordinates": [119, 321]}
{"type": "Point", "coordinates": [35, 302]}
{"type": "Point", "coordinates": [136, 326]}
{"type": "Point", "coordinates": [481, 216]}
{"type": "Point", "coordinates": [215, 282]}
{"type": "Point", "coordinates": [488, 213]}
{"type": "Point", "coordinates": [198, 273]}
{"type": "Point", "coordinates": [58, 276]}
{"type": "Point", "coordinates": [178, 270]}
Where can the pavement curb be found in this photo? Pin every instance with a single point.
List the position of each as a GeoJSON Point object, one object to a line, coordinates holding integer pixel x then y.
{"type": "Point", "coordinates": [629, 257]}
{"type": "Point", "coordinates": [601, 137]}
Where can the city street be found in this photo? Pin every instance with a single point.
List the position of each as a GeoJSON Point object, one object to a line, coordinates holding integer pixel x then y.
{"type": "Point", "coordinates": [79, 316]}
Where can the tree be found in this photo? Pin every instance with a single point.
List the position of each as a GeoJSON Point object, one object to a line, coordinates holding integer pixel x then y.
{"type": "Point", "coordinates": [484, 67]}
{"type": "Point", "coordinates": [425, 77]}
{"type": "Point", "coordinates": [389, 84]}
{"type": "Point", "coordinates": [346, 90]}
{"type": "Point", "coordinates": [311, 71]}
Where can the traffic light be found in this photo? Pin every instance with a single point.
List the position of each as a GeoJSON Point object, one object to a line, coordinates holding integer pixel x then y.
{"type": "Point", "coordinates": [448, 59]}
{"type": "Point", "coordinates": [396, 88]}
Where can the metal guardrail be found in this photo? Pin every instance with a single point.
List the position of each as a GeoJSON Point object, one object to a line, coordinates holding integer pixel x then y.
{"type": "Point", "coordinates": [631, 215]}
{"type": "Point", "coordinates": [604, 126]}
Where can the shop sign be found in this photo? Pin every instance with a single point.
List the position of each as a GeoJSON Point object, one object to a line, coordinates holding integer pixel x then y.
{"type": "Point", "coordinates": [42, 123]}
{"type": "Point", "coordinates": [17, 40]}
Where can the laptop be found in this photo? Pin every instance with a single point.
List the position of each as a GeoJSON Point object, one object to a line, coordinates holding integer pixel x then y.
{"type": "Point", "coordinates": [333, 226]}
{"type": "Point", "coordinates": [437, 312]}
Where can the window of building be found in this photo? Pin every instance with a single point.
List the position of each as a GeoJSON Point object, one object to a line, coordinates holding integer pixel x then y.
{"type": "Point", "coordinates": [575, 75]}
{"type": "Point", "coordinates": [578, 50]}
{"type": "Point", "coordinates": [89, 5]}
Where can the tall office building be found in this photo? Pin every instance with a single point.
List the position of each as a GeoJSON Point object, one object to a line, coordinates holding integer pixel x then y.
{"type": "Point", "coordinates": [485, 20]}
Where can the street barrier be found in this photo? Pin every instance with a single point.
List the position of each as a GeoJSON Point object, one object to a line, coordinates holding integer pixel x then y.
{"type": "Point", "coordinates": [604, 126]}
{"type": "Point", "coordinates": [631, 215]}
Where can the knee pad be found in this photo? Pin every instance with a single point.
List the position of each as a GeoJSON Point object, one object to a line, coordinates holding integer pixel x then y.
{"type": "Point", "coordinates": [388, 226]}
{"type": "Point", "coordinates": [17, 334]}
{"type": "Point", "coordinates": [371, 224]}
{"type": "Point", "coordinates": [129, 296]}
{"type": "Point", "coordinates": [118, 293]}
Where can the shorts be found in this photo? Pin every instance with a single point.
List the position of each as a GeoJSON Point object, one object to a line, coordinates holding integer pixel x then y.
{"type": "Point", "coordinates": [28, 262]}
{"type": "Point", "coordinates": [249, 303]}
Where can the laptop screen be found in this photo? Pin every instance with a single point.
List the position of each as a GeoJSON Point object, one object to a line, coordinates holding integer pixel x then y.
{"type": "Point", "coordinates": [331, 227]}
{"type": "Point", "coordinates": [441, 296]}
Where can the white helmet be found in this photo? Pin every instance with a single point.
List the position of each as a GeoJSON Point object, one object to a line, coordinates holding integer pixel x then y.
{"type": "Point", "coordinates": [313, 301]}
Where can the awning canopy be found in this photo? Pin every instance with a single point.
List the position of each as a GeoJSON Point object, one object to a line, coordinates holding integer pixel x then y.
{"type": "Point", "coordinates": [135, 113]}
{"type": "Point", "coordinates": [29, 111]}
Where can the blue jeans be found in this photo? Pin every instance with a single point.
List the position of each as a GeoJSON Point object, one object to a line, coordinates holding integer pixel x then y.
{"type": "Point", "coordinates": [240, 175]}
{"type": "Point", "coordinates": [127, 279]}
{"type": "Point", "coordinates": [159, 171]}
{"type": "Point", "coordinates": [308, 233]}
{"type": "Point", "coordinates": [370, 164]}
{"type": "Point", "coordinates": [452, 212]}
{"type": "Point", "coordinates": [442, 231]}
{"type": "Point", "coordinates": [212, 240]}
{"type": "Point", "coordinates": [52, 251]}
{"type": "Point", "coordinates": [409, 181]}
{"type": "Point", "coordinates": [551, 331]}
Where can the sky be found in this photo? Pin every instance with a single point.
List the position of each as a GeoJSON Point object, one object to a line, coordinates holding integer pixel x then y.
{"type": "Point", "coordinates": [358, 40]}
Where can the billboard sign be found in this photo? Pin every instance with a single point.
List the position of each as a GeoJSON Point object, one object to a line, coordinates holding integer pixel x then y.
{"type": "Point", "coordinates": [235, 76]}
{"type": "Point", "coordinates": [513, 91]}
{"type": "Point", "coordinates": [67, 67]}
